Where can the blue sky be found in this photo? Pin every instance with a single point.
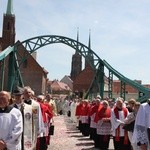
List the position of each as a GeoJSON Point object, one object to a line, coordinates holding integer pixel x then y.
{"type": "Point", "coordinates": [120, 32]}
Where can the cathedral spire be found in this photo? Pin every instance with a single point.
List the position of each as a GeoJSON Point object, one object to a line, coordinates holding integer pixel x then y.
{"type": "Point", "coordinates": [9, 10]}
{"type": "Point", "coordinates": [76, 64]}
{"type": "Point", "coordinates": [89, 56]}
{"type": "Point", "coordinates": [78, 34]}
{"type": "Point", "coordinates": [77, 37]}
{"type": "Point", "coordinates": [90, 39]}
{"type": "Point", "coordinates": [8, 31]}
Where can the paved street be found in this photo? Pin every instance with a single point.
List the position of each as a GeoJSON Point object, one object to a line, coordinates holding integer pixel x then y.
{"type": "Point", "coordinates": [67, 137]}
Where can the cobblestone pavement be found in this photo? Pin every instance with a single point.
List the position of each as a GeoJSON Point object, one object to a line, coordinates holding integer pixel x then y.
{"type": "Point", "coordinates": [67, 137]}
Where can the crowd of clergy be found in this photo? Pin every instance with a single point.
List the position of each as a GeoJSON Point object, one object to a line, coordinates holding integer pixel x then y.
{"type": "Point", "coordinates": [127, 123]}
{"type": "Point", "coordinates": [25, 120]}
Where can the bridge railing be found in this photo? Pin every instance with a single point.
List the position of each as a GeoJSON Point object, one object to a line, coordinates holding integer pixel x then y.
{"type": "Point", "coordinates": [136, 85]}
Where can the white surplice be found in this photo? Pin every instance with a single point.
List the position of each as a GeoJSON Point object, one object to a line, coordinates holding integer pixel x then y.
{"type": "Point", "coordinates": [93, 124]}
{"type": "Point", "coordinates": [11, 127]}
{"type": "Point", "coordinates": [142, 123]}
{"type": "Point", "coordinates": [116, 122]}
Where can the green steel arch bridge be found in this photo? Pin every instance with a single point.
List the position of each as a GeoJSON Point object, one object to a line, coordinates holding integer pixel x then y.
{"type": "Point", "coordinates": [98, 65]}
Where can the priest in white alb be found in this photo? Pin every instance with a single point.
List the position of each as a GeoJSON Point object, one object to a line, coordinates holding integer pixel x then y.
{"type": "Point", "coordinates": [141, 134]}
{"type": "Point", "coordinates": [120, 136]}
{"type": "Point", "coordinates": [11, 124]}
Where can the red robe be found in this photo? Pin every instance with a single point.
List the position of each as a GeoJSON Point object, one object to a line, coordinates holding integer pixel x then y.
{"type": "Point", "coordinates": [47, 115]}
{"type": "Point", "coordinates": [79, 110]}
{"type": "Point", "coordinates": [45, 110]}
{"type": "Point", "coordinates": [94, 109]}
{"type": "Point", "coordinates": [96, 119]}
{"type": "Point", "coordinates": [85, 109]}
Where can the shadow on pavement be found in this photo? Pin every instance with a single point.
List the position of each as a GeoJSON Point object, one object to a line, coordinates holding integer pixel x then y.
{"type": "Point", "coordinates": [77, 136]}
{"type": "Point", "coordinates": [70, 132]}
{"type": "Point", "coordinates": [85, 144]}
{"type": "Point", "coordinates": [84, 139]}
{"type": "Point", "coordinates": [88, 148]}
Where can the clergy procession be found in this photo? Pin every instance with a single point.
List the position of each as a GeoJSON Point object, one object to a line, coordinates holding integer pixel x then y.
{"type": "Point", "coordinates": [127, 123]}
{"type": "Point", "coordinates": [26, 121]}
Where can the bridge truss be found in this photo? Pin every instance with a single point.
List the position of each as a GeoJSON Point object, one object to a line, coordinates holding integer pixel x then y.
{"type": "Point", "coordinates": [33, 44]}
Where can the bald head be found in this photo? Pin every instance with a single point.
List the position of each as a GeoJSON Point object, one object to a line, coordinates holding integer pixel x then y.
{"type": "Point", "coordinates": [4, 99]}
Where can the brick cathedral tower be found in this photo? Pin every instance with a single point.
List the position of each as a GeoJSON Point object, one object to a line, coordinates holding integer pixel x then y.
{"type": "Point", "coordinates": [84, 80]}
{"type": "Point", "coordinates": [8, 38]}
{"type": "Point", "coordinates": [31, 71]}
{"type": "Point", "coordinates": [8, 31]}
{"type": "Point", "coordinates": [76, 65]}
